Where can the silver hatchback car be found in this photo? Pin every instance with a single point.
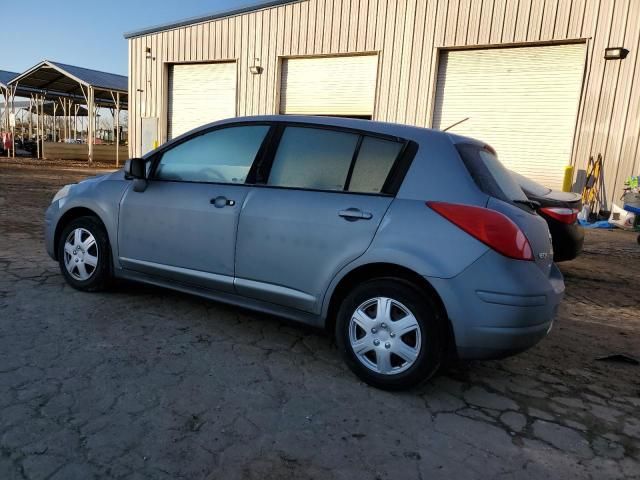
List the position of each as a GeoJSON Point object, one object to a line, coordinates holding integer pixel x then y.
{"type": "Point", "coordinates": [408, 244]}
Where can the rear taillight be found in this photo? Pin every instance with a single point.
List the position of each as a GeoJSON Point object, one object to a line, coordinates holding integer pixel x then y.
{"type": "Point", "coordinates": [563, 215]}
{"type": "Point", "coordinates": [490, 227]}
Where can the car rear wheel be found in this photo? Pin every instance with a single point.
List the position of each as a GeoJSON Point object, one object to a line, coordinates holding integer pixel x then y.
{"type": "Point", "coordinates": [390, 333]}
{"type": "Point", "coordinates": [84, 254]}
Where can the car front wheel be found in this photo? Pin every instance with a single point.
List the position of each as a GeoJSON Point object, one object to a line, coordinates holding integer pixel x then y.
{"type": "Point", "coordinates": [390, 333]}
{"type": "Point", "coordinates": [84, 254]}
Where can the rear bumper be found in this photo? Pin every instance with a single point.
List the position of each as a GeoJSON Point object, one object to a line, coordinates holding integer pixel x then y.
{"type": "Point", "coordinates": [567, 240]}
{"type": "Point", "coordinates": [499, 307]}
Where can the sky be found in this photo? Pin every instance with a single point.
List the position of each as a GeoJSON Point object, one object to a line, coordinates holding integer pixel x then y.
{"type": "Point", "coordinates": [80, 33]}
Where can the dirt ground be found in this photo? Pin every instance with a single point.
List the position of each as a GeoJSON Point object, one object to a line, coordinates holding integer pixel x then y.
{"type": "Point", "coordinates": [141, 382]}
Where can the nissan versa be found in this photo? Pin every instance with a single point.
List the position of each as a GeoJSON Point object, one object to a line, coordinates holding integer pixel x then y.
{"type": "Point", "coordinates": [409, 244]}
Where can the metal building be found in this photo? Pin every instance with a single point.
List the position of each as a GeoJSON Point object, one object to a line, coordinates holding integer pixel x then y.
{"type": "Point", "coordinates": [548, 83]}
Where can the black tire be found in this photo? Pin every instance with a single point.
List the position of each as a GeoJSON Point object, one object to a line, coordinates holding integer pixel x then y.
{"type": "Point", "coordinates": [430, 320]}
{"type": "Point", "coordinates": [100, 275]}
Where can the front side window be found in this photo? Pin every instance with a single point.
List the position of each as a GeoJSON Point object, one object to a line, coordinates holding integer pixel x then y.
{"type": "Point", "coordinates": [313, 158]}
{"type": "Point", "coordinates": [220, 156]}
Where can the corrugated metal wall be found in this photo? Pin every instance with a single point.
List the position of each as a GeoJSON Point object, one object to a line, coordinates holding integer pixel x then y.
{"type": "Point", "coordinates": [407, 35]}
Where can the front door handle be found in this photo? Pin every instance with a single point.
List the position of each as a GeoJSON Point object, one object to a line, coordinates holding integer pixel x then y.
{"type": "Point", "coordinates": [353, 214]}
{"type": "Point", "coordinates": [221, 202]}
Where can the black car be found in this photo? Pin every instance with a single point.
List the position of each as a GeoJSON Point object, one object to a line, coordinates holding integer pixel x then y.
{"type": "Point", "coordinates": [560, 210]}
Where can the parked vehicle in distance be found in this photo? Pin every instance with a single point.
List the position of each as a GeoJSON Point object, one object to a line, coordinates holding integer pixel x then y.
{"type": "Point", "coordinates": [407, 243]}
{"type": "Point", "coordinates": [560, 210]}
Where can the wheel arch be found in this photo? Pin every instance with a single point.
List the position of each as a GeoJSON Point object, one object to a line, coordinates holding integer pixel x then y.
{"type": "Point", "coordinates": [379, 270]}
{"type": "Point", "coordinates": [69, 216]}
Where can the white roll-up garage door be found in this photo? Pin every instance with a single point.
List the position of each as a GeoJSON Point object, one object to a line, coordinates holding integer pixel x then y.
{"type": "Point", "coordinates": [200, 94]}
{"type": "Point", "coordinates": [344, 86]}
{"type": "Point", "coordinates": [523, 101]}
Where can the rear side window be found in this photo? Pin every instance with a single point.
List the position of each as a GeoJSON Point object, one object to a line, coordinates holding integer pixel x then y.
{"type": "Point", "coordinates": [313, 158]}
{"type": "Point", "coordinates": [489, 174]}
{"type": "Point", "coordinates": [373, 165]}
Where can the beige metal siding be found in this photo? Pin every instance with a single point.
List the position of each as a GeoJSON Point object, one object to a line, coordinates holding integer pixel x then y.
{"type": "Point", "coordinates": [344, 85]}
{"type": "Point", "coordinates": [523, 101]}
{"type": "Point", "coordinates": [200, 93]}
{"type": "Point", "coordinates": [407, 34]}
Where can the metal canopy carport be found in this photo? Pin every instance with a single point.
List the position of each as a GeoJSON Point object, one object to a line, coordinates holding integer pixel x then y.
{"type": "Point", "coordinates": [69, 85]}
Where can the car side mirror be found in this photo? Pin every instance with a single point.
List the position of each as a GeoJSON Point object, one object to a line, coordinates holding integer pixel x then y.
{"type": "Point", "coordinates": [135, 168]}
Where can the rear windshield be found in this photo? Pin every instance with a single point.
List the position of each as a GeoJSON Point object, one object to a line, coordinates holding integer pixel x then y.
{"type": "Point", "coordinates": [489, 174]}
{"type": "Point", "coordinates": [529, 186]}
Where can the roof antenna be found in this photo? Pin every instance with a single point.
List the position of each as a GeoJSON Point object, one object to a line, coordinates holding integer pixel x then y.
{"type": "Point", "coordinates": [456, 124]}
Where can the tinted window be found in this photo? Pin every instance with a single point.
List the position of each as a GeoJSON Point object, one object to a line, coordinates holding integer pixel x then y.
{"type": "Point", "coordinates": [489, 174]}
{"type": "Point", "coordinates": [313, 158]}
{"type": "Point", "coordinates": [529, 186]}
{"type": "Point", "coordinates": [375, 159]}
{"type": "Point", "coordinates": [224, 156]}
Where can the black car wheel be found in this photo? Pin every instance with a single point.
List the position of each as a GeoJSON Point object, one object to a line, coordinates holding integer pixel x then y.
{"type": "Point", "coordinates": [390, 333]}
{"type": "Point", "coordinates": [84, 254]}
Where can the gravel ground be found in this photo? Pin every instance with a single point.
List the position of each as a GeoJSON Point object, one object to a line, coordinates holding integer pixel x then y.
{"type": "Point", "coordinates": [141, 382]}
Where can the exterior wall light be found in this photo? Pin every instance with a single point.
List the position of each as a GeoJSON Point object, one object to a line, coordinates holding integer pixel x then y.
{"type": "Point", "coordinates": [615, 53]}
{"type": "Point", "coordinates": [256, 69]}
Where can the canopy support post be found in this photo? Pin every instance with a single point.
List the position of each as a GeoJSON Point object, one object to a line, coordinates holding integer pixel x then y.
{"type": "Point", "coordinates": [31, 118]}
{"type": "Point", "coordinates": [76, 107]}
{"type": "Point", "coordinates": [117, 129]}
{"type": "Point", "coordinates": [13, 127]}
{"type": "Point", "coordinates": [4, 122]}
{"type": "Point", "coordinates": [116, 101]}
{"type": "Point", "coordinates": [37, 99]}
{"type": "Point", "coordinates": [92, 119]}
{"type": "Point", "coordinates": [55, 123]}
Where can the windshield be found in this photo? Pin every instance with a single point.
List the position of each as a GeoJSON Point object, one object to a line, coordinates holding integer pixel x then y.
{"type": "Point", "coordinates": [529, 186]}
{"type": "Point", "coordinates": [489, 174]}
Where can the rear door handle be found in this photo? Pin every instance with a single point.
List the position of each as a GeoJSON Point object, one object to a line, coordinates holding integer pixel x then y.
{"type": "Point", "coordinates": [221, 202]}
{"type": "Point", "coordinates": [353, 214]}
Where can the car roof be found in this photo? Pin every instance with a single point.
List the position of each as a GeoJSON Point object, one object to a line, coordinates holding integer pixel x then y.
{"type": "Point", "coordinates": [391, 129]}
